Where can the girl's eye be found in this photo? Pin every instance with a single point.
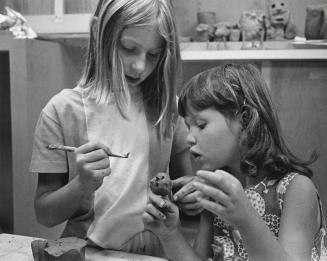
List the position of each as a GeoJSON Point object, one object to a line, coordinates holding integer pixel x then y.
{"type": "Point", "coordinates": [153, 55]}
{"type": "Point", "coordinates": [202, 126]}
{"type": "Point", "coordinates": [187, 124]}
{"type": "Point", "coordinates": [128, 49]}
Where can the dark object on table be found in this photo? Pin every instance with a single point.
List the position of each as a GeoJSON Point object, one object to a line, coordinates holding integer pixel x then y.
{"type": "Point", "coordinates": [161, 184]}
{"type": "Point", "coordinates": [63, 249]}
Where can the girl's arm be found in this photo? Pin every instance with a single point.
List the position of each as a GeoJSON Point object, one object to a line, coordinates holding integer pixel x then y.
{"type": "Point", "coordinates": [164, 222]}
{"type": "Point", "coordinates": [299, 221]}
{"type": "Point", "coordinates": [179, 249]}
{"type": "Point", "coordinates": [301, 218]}
{"type": "Point", "coordinates": [57, 200]}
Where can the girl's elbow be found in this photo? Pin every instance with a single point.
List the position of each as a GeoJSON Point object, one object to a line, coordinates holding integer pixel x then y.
{"type": "Point", "coordinates": [44, 218]}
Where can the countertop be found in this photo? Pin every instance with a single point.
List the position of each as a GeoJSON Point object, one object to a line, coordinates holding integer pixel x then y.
{"type": "Point", "coordinates": [18, 248]}
{"type": "Point", "coordinates": [272, 50]}
{"type": "Point", "coordinates": [210, 51]}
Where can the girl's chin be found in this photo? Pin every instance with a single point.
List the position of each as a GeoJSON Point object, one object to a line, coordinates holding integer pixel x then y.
{"type": "Point", "coordinates": [207, 167]}
{"type": "Point", "coordinates": [210, 167]}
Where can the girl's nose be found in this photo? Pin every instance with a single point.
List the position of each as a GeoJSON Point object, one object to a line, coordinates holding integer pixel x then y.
{"type": "Point", "coordinates": [190, 139]}
{"type": "Point", "coordinates": [139, 64]}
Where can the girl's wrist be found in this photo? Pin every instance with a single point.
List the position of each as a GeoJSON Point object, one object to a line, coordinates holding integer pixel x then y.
{"type": "Point", "coordinates": [169, 235]}
{"type": "Point", "coordinates": [84, 190]}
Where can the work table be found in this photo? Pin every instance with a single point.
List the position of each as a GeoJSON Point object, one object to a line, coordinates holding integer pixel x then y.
{"type": "Point", "coordinates": [18, 248]}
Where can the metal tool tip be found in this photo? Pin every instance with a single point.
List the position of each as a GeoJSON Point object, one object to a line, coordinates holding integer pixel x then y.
{"type": "Point", "coordinates": [51, 147]}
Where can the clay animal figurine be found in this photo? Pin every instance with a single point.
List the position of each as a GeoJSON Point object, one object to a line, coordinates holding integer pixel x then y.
{"type": "Point", "coordinates": [203, 32]}
{"type": "Point", "coordinates": [280, 26]}
{"type": "Point", "coordinates": [223, 30]}
{"type": "Point", "coordinates": [252, 28]}
{"type": "Point", "coordinates": [161, 184]}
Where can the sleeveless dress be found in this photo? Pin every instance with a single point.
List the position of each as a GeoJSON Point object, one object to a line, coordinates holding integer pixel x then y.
{"type": "Point", "coordinates": [267, 197]}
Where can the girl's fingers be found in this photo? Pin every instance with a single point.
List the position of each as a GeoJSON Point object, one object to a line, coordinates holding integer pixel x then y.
{"type": "Point", "coordinates": [147, 218]}
{"type": "Point", "coordinates": [94, 146]}
{"type": "Point", "coordinates": [191, 198]}
{"type": "Point", "coordinates": [165, 204]}
{"type": "Point", "coordinates": [102, 172]}
{"type": "Point", "coordinates": [219, 179]}
{"type": "Point", "coordinates": [193, 212]}
{"type": "Point", "coordinates": [186, 189]}
{"type": "Point", "coordinates": [190, 206]}
{"type": "Point", "coordinates": [177, 183]}
{"type": "Point", "coordinates": [153, 211]}
{"type": "Point", "coordinates": [157, 200]}
{"type": "Point", "coordinates": [98, 165]}
{"type": "Point", "coordinates": [213, 207]}
{"type": "Point", "coordinates": [212, 192]}
{"type": "Point", "coordinates": [92, 156]}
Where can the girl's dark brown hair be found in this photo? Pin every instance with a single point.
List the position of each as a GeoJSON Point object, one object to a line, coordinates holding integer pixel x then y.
{"type": "Point", "coordinates": [240, 90]}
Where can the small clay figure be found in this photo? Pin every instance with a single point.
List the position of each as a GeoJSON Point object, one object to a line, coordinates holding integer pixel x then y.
{"type": "Point", "coordinates": [202, 31]}
{"type": "Point", "coordinates": [161, 184]}
{"type": "Point", "coordinates": [252, 28]}
{"type": "Point", "coordinates": [280, 25]}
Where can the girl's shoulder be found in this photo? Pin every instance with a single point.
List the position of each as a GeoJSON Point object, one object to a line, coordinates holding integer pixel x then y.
{"type": "Point", "coordinates": [293, 179]}
{"type": "Point", "coordinates": [292, 185]}
{"type": "Point", "coordinates": [295, 183]}
{"type": "Point", "coordinates": [66, 98]}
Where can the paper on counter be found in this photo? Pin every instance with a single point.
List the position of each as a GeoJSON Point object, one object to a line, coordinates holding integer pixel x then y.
{"type": "Point", "coordinates": [15, 23]}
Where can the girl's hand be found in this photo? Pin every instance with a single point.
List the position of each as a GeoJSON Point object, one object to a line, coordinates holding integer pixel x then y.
{"type": "Point", "coordinates": [230, 202]}
{"type": "Point", "coordinates": [161, 216]}
{"type": "Point", "coordinates": [187, 196]}
{"type": "Point", "coordinates": [93, 165]}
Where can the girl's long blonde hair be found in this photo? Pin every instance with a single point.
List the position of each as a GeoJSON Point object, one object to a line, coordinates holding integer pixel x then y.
{"type": "Point", "coordinates": [103, 74]}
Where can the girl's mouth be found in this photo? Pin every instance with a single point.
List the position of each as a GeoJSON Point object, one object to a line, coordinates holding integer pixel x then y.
{"type": "Point", "coordinates": [195, 155]}
{"type": "Point", "coordinates": [132, 80]}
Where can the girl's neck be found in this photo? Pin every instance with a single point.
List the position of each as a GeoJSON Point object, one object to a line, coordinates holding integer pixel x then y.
{"type": "Point", "coordinates": [251, 181]}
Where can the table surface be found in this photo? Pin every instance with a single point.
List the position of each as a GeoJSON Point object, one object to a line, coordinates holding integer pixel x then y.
{"type": "Point", "coordinates": [18, 248]}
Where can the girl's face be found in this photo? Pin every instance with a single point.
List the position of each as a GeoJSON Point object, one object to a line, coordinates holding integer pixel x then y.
{"type": "Point", "coordinates": [213, 139]}
{"type": "Point", "coordinates": [140, 49]}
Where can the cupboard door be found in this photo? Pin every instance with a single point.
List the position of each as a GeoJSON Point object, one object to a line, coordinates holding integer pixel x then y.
{"type": "Point", "coordinates": [300, 94]}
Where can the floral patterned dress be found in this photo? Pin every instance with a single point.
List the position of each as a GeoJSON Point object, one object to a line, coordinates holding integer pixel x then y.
{"type": "Point", "coordinates": [267, 197]}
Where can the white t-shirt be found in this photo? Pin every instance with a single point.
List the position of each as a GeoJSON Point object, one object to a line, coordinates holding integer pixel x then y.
{"type": "Point", "coordinates": [114, 215]}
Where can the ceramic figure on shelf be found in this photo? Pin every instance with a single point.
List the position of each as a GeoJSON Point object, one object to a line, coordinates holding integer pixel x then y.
{"type": "Point", "coordinates": [252, 28]}
{"type": "Point", "coordinates": [202, 32]}
{"type": "Point", "coordinates": [316, 22]}
{"type": "Point", "coordinates": [280, 25]}
{"type": "Point", "coordinates": [205, 28]}
{"type": "Point", "coordinates": [222, 31]}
